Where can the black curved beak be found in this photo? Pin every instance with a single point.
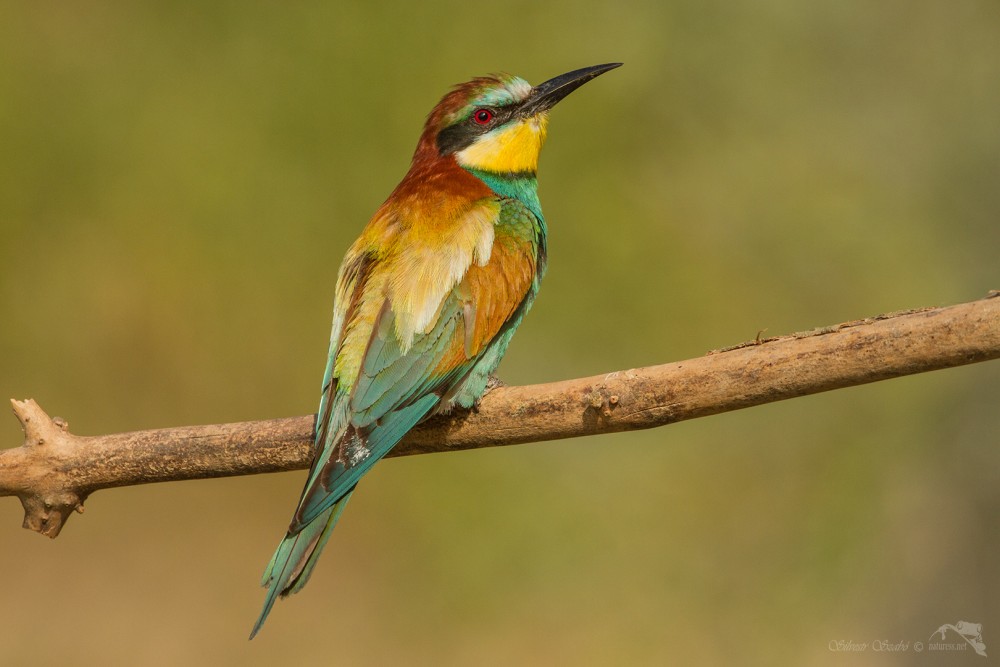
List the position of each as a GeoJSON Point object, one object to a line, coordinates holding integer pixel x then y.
{"type": "Point", "coordinates": [546, 95]}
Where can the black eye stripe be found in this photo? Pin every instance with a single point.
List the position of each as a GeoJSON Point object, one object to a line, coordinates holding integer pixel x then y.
{"type": "Point", "coordinates": [463, 133]}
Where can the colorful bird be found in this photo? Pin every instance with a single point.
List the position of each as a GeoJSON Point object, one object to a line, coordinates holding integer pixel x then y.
{"type": "Point", "coordinates": [429, 296]}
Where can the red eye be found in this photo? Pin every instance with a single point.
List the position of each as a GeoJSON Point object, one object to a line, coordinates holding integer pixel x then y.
{"type": "Point", "coordinates": [482, 116]}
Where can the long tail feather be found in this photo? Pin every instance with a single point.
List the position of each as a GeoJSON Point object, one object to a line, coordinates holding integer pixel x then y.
{"type": "Point", "coordinates": [296, 556]}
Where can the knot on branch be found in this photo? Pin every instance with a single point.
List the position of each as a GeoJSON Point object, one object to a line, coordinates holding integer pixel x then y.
{"type": "Point", "coordinates": [33, 472]}
{"type": "Point", "coordinates": [600, 401]}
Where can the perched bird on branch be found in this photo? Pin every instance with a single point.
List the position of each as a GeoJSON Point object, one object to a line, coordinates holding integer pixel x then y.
{"type": "Point", "coordinates": [429, 296]}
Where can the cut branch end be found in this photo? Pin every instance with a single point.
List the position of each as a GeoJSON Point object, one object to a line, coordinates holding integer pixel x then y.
{"type": "Point", "coordinates": [34, 472]}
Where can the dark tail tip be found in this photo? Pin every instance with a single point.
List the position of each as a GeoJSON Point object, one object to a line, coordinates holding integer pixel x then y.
{"type": "Point", "coordinates": [272, 595]}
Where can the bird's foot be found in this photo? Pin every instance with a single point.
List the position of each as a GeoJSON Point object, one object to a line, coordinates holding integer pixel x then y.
{"type": "Point", "coordinates": [491, 383]}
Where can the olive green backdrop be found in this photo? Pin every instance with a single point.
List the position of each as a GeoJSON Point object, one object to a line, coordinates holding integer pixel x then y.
{"type": "Point", "coordinates": [178, 183]}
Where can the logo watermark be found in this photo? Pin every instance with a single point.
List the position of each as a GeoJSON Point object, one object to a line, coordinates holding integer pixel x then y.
{"type": "Point", "coordinates": [970, 636]}
{"type": "Point", "coordinates": [972, 633]}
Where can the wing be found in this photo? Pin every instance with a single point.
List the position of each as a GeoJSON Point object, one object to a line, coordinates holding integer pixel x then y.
{"type": "Point", "coordinates": [354, 275]}
{"type": "Point", "coordinates": [416, 325]}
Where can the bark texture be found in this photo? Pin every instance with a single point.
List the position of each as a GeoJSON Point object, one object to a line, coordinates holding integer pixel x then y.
{"type": "Point", "coordinates": [54, 470]}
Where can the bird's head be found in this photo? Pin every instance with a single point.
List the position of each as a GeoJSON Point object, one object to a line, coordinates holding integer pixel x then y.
{"type": "Point", "coordinates": [497, 123]}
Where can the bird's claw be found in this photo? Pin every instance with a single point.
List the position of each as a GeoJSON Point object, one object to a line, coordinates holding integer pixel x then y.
{"type": "Point", "coordinates": [492, 382]}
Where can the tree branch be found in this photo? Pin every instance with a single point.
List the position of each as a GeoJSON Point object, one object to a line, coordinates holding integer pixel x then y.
{"type": "Point", "coordinates": [54, 471]}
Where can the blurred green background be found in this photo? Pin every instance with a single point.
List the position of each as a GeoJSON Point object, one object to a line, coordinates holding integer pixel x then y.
{"type": "Point", "coordinates": [178, 183]}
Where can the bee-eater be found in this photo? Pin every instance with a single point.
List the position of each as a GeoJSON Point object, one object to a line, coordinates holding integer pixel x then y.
{"type": "Point", "coordinates": [428, 297]}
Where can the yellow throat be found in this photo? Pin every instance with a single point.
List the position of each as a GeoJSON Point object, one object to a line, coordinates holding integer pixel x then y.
{"type": "Point", "coordinates": [512, 148]}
